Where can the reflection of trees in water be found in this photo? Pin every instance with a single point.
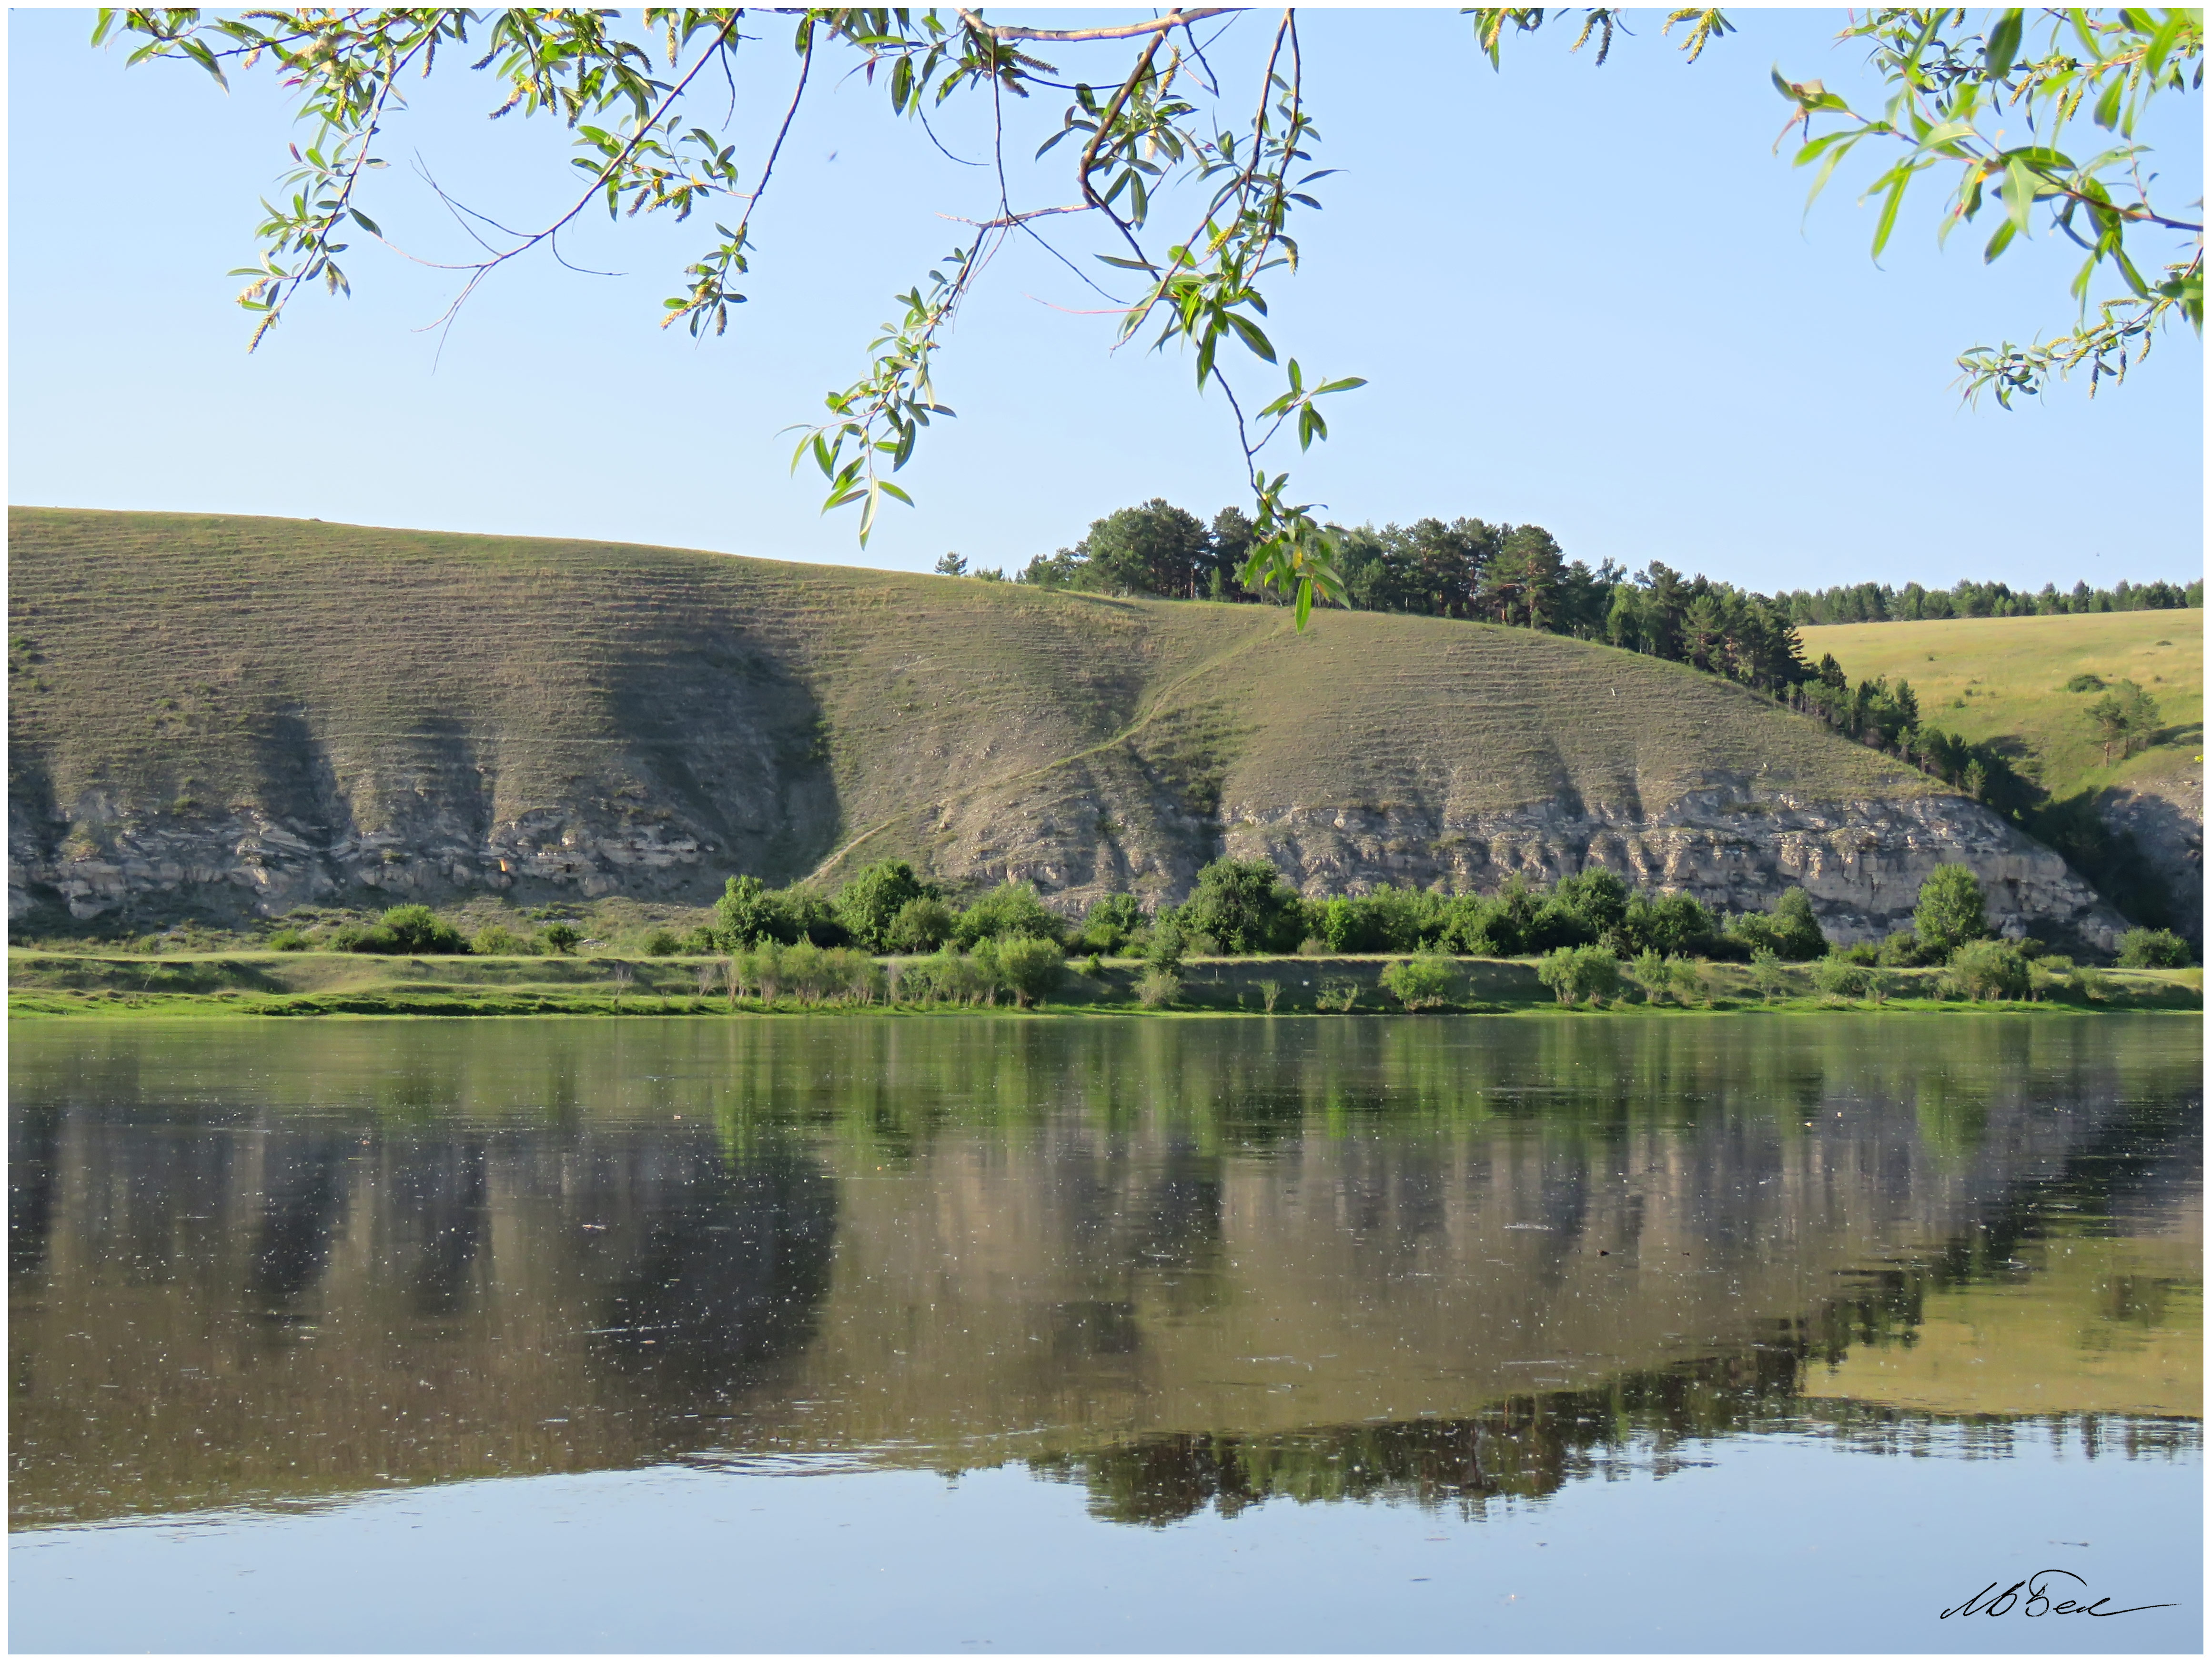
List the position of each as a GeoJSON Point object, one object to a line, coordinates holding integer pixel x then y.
{"type": "Point", "coordinates": [304, 1196]}
{"type": "Point", "coordinates": [1530, 1446]}
{"type": "Point", "coordinates": [439, 1193]}
{"type": "Point", "coordinates": [725, 1273]}
{"type": "Point", "coordinates": [33, 1176]}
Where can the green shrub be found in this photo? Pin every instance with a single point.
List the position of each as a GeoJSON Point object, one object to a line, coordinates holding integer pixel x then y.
{"type": "Point", "coordinates": [1419, 982]}
{"type": "Point", "coordinates": [949, 976]}
{"type": "Point", "coordinates": [853, 976]}
{"type": "Point", "coordinates": [749, 912]}
{"type": "Point", "coordinates": [497, 941]}
{"type": "Point", "coordinates": [416, 929]}
{"type": "Point", "coordinates": [1989, 970]}
{"type": "Point", "coordinates": [1164, 948]}
{"type": "Point", "coordinates": [1797, 933]}
{"type": "Point", "coordinates": [662, 943]}
{"type": "Point", "coordinates": [1031, 967]}
{"type": "Point", "coordinates": [1109, 924]}
{"type": "Point", "coordinates": [1649, 972]}
{"type": "Point", "coordinates": [290, 940]}
{"type": "Point", "coordinates": [1690, 980]}
{"type": "Point", "coordinates": [2085, 682]}
{"type": "Point", "coordinates": [803, 965]}
{"type": "Point", "coordinates": [1789, 932]}
{"type": "Point", "coordinates": [2051, 976]}
{"type": "Point", "coordinates": [1841, 977]}
{"type": "Point", "coordinates": [1859, 952]}
{"type": "Point", "coordinates": [923, 924]}
{"type": "Point", "coordinates": [760, 970]}
{"type": "Point", "coordinates": [560, 936]}
{"type": "Point", "coordinates": [809, 917]}
{"type": "Point", "coordinates": [2153, 950]}
{"type": "Point", "coordinates": [1676, 926]}
{"type": "Point", "coordinates": [1901, 949]}
{"type": "Point", "coordinates": [1576, 974]}
{"type": "Point", "coordinates": [1246, 906]}
{"type": "Point", "coordinates": [1767, 974]}
{"type": "Point", "coordinates": [1314, 947]}
{"type": "Point", "coordinates": [1158, 988]}
{"type": "Point", "coordinates": [871, 899]}
{"type": "Point", "coordinates": [1011, 910]}
{"type": "Point", "coordinates": [1338, 993]}
{"type": "Point", "coordinates": [1950, 911]}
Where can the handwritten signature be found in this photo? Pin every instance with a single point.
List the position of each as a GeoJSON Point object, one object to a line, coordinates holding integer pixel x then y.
{"type": "Point", "coordinates": [2038, 1602]}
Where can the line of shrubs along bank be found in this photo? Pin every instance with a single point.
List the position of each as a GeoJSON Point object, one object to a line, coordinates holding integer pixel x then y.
{"type": "Point", "coordinates": [1592, 931]}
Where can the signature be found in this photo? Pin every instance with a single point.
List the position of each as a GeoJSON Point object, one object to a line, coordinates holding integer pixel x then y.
{"type": "Point", "coordinates": [2039, 1601]}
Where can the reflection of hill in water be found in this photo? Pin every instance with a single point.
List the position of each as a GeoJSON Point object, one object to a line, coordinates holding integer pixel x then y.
{"type": "Point", "coordinates": [296, 1263]}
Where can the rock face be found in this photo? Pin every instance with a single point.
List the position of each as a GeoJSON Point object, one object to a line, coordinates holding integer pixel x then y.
{"type": "Point", "coordinates": [2165, 817]}
{"type": "Point", "coordinates": [1862, 863]}
{"type": "Point", "coordinates": [248, 865]}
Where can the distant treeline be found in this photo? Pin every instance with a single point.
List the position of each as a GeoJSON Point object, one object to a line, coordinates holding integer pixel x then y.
{"type": "Point", "coordinates": [1515, 574]}
{"type": "Point", "coordinates": [1465, 568]}
{"type": "Point", "coordinates": [1519, 575]}
{"type": "Point", "coordinates": [1877, 603]}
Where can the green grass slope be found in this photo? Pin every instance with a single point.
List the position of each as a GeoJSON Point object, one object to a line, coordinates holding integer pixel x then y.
{"type": "Point", "coordinates": [660, 717]}
{"type": "Point", "coordinates": [2005, 679]}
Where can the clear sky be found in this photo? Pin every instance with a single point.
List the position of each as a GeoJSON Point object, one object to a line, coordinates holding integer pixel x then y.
{"type": "Point", "coordinates": [1582, 297]}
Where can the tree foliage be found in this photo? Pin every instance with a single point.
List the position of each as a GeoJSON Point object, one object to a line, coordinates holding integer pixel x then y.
{"type": "Point", "coordinates": [1950, 911]}
{"type": "Point", "coordinates": [1880, 603]}
{"type": "Point", "coordinates": [1989, 102]}
{"type": "Point", "coordinates": [1245, 907]}
{"type": "Point", "coordinates": [873, 900]}
{"type": "Point", "coordinates": [2127, 716]}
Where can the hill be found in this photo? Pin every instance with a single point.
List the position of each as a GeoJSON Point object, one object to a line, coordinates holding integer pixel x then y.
{"type": "Point", "coordinates": [2005, 680]}
{"type": "Point", "coordinates": [234, 716]}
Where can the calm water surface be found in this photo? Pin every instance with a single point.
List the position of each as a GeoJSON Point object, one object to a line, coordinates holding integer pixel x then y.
{"type": "Point", "coordinates": [970, 1334]}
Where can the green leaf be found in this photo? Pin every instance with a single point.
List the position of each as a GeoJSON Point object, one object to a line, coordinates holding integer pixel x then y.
{"type": "Point", "coordinates": [2108, 112]}
{"type": "Point", "coordinates": [2003, 44]}
{"type": "Point", "coordinates": [367, 223]}
{"type": "Point", "coordinates": [1895, 199]}
{"type": "Point", "coordinates": [1249, 333]}
{"type": "Point", "coordinates": [2019, 191]}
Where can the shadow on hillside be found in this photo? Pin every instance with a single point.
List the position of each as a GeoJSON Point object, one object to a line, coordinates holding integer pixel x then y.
{"type": "Point", "coordinates": [731, 743]}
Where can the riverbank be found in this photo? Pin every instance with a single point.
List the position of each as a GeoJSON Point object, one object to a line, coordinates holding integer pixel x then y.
{"type": "Point", "coordinates": [63, 985]}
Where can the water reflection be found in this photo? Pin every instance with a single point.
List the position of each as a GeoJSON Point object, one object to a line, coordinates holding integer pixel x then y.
{"type": "Point", "coordinates": [1188, 1263]}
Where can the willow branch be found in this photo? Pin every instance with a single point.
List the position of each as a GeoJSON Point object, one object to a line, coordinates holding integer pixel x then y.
{"type": "Point", "coordinates": [1156, 27]}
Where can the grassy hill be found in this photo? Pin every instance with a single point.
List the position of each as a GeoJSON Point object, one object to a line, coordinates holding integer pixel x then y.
{"type": "Point", "coordinates": [2003, 680]}
{"type": "Point", "coordinates": [548, 718]}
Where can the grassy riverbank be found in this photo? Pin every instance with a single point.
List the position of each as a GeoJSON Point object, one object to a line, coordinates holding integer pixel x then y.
{"type": "Point", "coordinates": [55, 984]}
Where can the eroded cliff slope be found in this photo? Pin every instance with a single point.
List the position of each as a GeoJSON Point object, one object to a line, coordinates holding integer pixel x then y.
{"type": "Point", "coordinates": [222, 715]}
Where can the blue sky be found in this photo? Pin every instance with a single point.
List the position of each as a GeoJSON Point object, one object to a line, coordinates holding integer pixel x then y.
{"type": "Point", "coordinates": [1584, 297]}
